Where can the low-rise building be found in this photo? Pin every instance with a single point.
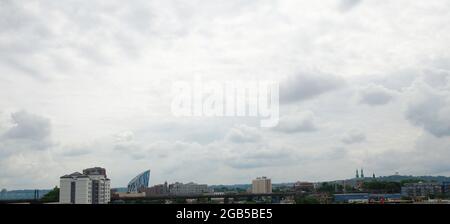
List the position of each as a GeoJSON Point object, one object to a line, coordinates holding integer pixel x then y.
{"type": "Point", "coordinates": [188, 189]}
{"type": "Point", "coordinates": [304, 187]}
{"type": "Point", "coordinates": [157, 190]}
{"type": "Point", "coordinates": [420, 189]}
{"type": "Point", "coordinates": [446, 187]}
{"type": "Point", "coordinates": [119, 195]}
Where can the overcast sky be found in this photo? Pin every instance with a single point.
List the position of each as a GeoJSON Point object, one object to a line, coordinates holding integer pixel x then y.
{"type": "Point", "coordinates": [363, 83]}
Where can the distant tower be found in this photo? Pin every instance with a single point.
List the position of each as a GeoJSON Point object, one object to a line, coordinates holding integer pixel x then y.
{"type": "Point", "coordinates": [357, 174]}
{"type": "Point", "coordinates": [362, 173]}
{"type": "Point", "coordinates": [373, 175]}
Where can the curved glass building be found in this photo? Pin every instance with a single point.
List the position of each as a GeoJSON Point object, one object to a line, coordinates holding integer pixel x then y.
{"type": "Point", "coordinates": [139, 182]}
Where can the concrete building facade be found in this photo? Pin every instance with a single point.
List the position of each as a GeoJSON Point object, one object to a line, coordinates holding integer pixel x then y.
{"type": "Point", "coordinates": [188, 189]}
{"type": "Point", "coordinates": [87, 188]}
{"type": "Point", "coordinates": [421, 189]}
{"type": "Point", "coordinates": [262, 185]}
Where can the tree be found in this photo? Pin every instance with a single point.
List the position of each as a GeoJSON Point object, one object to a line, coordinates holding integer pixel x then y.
{"type": "Point", "coordinates": [407, 181]}
{"type": "Point", "coordinates": [308, 199]}
{"type": "Point", "coordinates": [326, 187]}
{"type": "Point", "coordinates": [330, 188]}
{"type": "Point", "coordinates": [382, 187]}
{"type": "Point", "coordinates": [51, 196]}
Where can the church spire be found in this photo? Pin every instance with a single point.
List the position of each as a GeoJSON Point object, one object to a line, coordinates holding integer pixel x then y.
{"type": "Point", "coordinates": [362, 173]}
{"type": "Point", "coordinates": [357, 174]}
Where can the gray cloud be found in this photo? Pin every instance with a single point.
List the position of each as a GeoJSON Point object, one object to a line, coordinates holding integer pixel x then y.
{"type": "Point", "coordinates": [421, 159]}
{"type": "Point", "coordinates": [429, 109]}
{"type": "Point", "coordinates": [429, 102]}
{"type": "Point", "coordinates": [261, 157]}
{"type": "Point", "coordinates": [306, 86]}
{"type": "Point", "coordinates": [437, 78]}
{"type": "Point", "coordinates": [28, 126]}
{"type": "Point", "coordinates": [74, 152]}
{"type": "Point", "coordinates": [346, 5]}
{"type": "Point", "coordinates": [375, 95]}
{"type": "Point", "coordinates": [353, 137]}
{"type": "Point", "coordinates": [301, 122]}
{"type": "Point", "coordinates": [243, 134]}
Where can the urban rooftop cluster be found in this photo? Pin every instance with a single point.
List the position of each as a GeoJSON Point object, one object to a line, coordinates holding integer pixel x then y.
{"type": "Point", "coordinates": [92, 186]}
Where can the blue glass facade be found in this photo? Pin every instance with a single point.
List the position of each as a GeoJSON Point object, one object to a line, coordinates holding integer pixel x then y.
{"type": "Point", "coordinates": [141, 180]}
{"type": "Point", "coordinates": [343, 198]}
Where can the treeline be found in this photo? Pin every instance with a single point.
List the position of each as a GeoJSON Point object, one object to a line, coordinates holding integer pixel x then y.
{"type": "Point", "coordinates": [370, 186]}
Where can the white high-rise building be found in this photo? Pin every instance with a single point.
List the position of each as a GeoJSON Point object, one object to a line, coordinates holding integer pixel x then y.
{"type": "Point", "coordinates": [91, 187]}
{"type": "Point", "coordinates": [262, 185]}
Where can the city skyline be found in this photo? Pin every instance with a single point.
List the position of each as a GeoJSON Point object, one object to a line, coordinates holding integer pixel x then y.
{"type": "Point", "coordinates": [362, 84]}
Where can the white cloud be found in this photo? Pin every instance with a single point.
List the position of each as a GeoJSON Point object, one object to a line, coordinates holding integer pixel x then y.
{"type": "Point", "coordinates": [93, 83]}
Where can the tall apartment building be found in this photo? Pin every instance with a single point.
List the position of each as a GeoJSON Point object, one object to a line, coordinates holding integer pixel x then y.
{"type": "Point", "coordinates": [261, 185]}
{"type": "Point", "coordinates": [90, 187]}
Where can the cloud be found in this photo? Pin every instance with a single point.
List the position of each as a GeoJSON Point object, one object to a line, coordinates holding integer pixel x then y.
{"type": "Point", "coordinates": [353, 137]}
{"type": "Point", "coordinates": [300, 122]}
{"type": "Point", "coordinates": [436, 78]}
{"type": "Point", "coordinates": [74, 152]}
{"type": "Point", "coordinates": [243, 134]}
{"type": "Point", "coordinates": [375, 95]}
{"type": "Point", "coordinates": [125, 136]}
{"type": "Point", "coordinates": [421, 159]}
{"type": "Point", "coordinates": [306, 86]}
{"type": "Point", "coordinates": [28, 126]}
{"type": "Point", "coordinates": [258, 156]}
{"type": "Point", "coordinates": [346, 5]}
{"type": "Point", "coordinates": [25, 150]}
{"type": "Point", "coordinates": [429, 108]}
{"type": "Point", "coordinates": [29, 132]}
{"type": "Point", "coordinates": [93, 69]}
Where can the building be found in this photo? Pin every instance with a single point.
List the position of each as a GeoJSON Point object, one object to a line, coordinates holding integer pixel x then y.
{"type": "Point", "coordinates": [91, 187]}
{"type": "Point", "coordinates": [352, 198]}
{"type": "Point", "coordinates": [446, 187]}
{"type": "Point", "coordinates": [188, 189]}
{"type": "Point", "coordinates": [420, 189]}
{"type": "Point", "coordinates": [140, 182]}
{"type": "Point", "coordinates": [365, 198]}
{"type": "Point", "coordinates": [261, 185]}
{"type": "Point", "coordinates": [157, 190]}
{"type": "Point", "coordinates": [95, 171]}
{"type": "Point", "coordinates": [304, 187]}
{"type": "Point", "coordinates": [119, 195]}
